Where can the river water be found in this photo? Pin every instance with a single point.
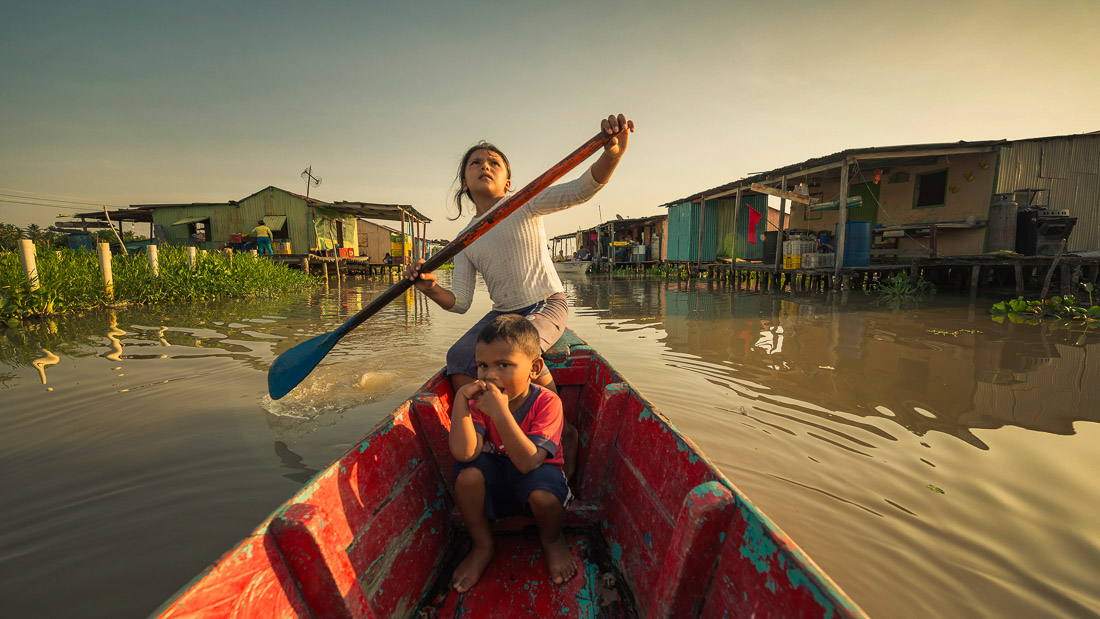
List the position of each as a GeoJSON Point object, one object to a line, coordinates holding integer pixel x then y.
{"type": "Point", "coordinates": [935, 463]}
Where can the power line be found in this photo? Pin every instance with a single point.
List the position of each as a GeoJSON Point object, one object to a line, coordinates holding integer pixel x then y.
{"type": "Point", "coordinates": [56, 198]}
{"type": "Point", "coordinates": [95, 204]}
{"type": "Point", "coordinates": [44, 205]}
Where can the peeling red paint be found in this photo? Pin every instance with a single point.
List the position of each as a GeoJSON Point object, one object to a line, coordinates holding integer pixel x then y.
{"type": "Point", "coordinates": [656, 531]}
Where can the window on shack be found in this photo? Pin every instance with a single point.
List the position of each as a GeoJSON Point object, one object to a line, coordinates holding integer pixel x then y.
{"type": "Point", "coordinates": [930, 189]}
{"type": "Point", "coordinates": [199, 231]}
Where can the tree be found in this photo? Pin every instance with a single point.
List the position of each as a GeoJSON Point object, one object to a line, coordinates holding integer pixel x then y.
{"type": "Point", "coordinates": [9, 236]}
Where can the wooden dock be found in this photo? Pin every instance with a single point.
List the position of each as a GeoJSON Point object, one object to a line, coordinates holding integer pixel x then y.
{"type": "Point", "coordinates": [1030, 276]}
{"type": "Point", "coordinates": [335, 267]}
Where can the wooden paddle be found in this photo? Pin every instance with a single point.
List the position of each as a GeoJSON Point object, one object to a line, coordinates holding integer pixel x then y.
{"type": "Point", "coordinates": [291, 367]}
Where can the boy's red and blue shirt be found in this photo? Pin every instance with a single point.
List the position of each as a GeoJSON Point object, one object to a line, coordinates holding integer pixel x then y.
{"type": "Point", "coordinates": [540, 418]}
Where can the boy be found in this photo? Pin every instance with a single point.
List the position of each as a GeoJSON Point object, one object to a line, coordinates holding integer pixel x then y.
{"type": "Point", "coordinates": [506, 436]}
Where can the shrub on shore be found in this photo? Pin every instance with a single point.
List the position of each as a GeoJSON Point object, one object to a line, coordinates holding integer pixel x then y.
{"type": "Point", "coordinates": [71, 280]}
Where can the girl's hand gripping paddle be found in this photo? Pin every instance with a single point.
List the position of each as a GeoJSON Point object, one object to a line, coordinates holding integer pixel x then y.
{"type": "Point", "coordinates": [292, 367]}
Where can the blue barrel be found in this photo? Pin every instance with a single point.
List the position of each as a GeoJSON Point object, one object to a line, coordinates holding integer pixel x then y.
{"type": "Point", "coordinates": [857, 243]}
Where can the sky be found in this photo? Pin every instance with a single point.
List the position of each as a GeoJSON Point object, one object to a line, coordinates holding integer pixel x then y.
{"type": "Point", "coordinates": [122, 103]}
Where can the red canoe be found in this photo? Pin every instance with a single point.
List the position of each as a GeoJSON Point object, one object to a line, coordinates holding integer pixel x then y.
{"type": "Point", "coordinates": [656, 530]}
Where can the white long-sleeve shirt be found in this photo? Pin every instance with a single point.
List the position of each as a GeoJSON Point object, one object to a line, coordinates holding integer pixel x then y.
{"type": "Point", "coordinates": [512, 257]}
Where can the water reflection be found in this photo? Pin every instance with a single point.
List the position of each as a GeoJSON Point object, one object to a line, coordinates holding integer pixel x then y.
{"type": "Point", "coordinates": [47, 359]}
{"type": "Point", "coordinates": [933, 370]}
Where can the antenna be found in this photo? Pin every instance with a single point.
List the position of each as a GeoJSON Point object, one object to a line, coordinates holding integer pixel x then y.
{"type": "Point", "coordinates": [310, 179]}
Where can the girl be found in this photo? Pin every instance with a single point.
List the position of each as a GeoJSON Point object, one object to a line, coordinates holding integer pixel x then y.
{"type": "Point", "coordinates": [512, 257]}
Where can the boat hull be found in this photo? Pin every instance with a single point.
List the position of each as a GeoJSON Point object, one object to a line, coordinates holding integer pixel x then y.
{"type": "Point", "coordinates": [572, 267]}
{"type": "Point", "coordinates": [656, 530]}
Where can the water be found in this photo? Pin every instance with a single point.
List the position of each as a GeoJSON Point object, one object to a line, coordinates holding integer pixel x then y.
{"type": "Point", "coordinates": [933, 462]}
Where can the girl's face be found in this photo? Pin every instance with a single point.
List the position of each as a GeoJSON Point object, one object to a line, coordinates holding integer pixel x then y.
{"type": "Point", "coordinates": [486, 174]}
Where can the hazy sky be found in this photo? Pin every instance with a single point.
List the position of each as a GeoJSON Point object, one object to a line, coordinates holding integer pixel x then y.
{"type": "Point", "coordinates": [122, 103]}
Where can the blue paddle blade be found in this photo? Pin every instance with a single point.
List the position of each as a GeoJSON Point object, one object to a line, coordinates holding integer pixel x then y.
{"type": "Point", "coordinates": [292, 367]}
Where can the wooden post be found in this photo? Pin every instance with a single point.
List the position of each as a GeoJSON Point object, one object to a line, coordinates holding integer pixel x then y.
{"type": "Point", "coordinates": [324, 270]}
{"type": "Point", "coordinates": [254, 252]}
{"type": "Point", "coordinates": [105, 268]}
{"type": "Point", "coordinates": [975, 272]}
{"type": "Point", "coordinates": [151, 251]}
{"type": "Point", "coordinates": [1050, 271]}
{"type": "Point", "coordinates": [191, 258]}
{"type": "Point", "coordinates": [30, 267]}
{"type": "Point", "coordinates": [782, 221]}
{"type": "Point", "coordinates": [402, 239]}
{"type": "Point", "coordinates": [305, 264]}
{"type": "Point", "coordinates": [107, 216]}
{"type": "Point", "coordinates": [932, 239]}
{"type": "Point", "coordinates": [842, 218]}
{"type": "Point", "coordinates": [1018, 268]}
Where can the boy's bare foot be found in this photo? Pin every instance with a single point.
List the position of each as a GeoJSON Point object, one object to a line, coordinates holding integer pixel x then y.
{"type": "Point", "coordinates": [560, 560]}
{"type": "Point", "coordinates": [469, 571]}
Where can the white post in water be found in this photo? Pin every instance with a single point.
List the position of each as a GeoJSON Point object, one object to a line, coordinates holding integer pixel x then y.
{"type": "Point", "coordinates": [105, 267]}
{"type": "Point", "coordinates": [254, 252]}
{"type": "Point", "coordinates": [191, 257]}
{"type": "Point", "coordinates": [152, 251]}
{"type": "Point", "coordinates": [30, 267]}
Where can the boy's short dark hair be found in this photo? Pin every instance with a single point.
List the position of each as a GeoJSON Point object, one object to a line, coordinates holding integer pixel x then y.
{"type": "Point", "coordinates": [514, 329]}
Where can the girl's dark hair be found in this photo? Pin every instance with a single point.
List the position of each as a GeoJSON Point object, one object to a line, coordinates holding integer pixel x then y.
{"type": "Point", "coordinates": [461, 191]}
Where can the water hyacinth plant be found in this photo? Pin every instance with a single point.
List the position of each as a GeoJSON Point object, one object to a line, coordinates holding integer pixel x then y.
{"type": "Point", "coordinates": [1056, 309]}
{"type": "Point", "coordinates": [70, 280]}
{"type": "Point", "coordinates": [901, 290]}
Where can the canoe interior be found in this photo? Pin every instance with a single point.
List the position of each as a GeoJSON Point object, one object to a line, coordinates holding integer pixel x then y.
{"type": "Point", "coordinates": [656, 530]}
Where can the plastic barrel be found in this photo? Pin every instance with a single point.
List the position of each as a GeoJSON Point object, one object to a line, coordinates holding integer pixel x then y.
{"type": "Point", "coordinates": [857, 243]}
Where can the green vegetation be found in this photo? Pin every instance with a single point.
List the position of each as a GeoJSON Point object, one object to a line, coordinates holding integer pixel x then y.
{"type": "Point", "coordinates": [901, 290]}
{"type": "Point", "coordinates": [1055, 309]}
{"type": "Point", "coordinates": [71, 280]}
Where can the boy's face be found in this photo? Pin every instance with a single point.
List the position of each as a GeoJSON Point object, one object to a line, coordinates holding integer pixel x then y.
{"type": "Point", "coordinates": [507, 367]}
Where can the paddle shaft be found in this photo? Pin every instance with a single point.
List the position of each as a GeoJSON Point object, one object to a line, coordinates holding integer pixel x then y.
{"type": "Point", "coordinates": [492, 218]}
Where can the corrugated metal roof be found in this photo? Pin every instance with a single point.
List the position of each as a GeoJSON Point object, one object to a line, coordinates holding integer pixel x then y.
{"type": "Point", "coordinates": [885, 151]}
{"type": "Point", "coordinates": [368, 210]}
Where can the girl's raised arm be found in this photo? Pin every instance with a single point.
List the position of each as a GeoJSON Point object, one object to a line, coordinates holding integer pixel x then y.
{"type": "Point", "coordinates": [615, 148]}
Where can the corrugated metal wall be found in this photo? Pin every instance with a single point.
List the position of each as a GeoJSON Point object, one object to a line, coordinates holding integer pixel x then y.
{"type": "Point", "coordinates": [1069, 168]}
{"type": "Point", "coordinates": [683, 231]}
{"type": "Point", "coordinates": [227, 219]}
{"type": "Point", "coordinates": [224, 220]}
{"type": "Point", "coordinates": [726, 231]}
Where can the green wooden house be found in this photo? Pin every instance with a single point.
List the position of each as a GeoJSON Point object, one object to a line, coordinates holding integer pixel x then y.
{"type": "Point", "coordinates": [307, 223]}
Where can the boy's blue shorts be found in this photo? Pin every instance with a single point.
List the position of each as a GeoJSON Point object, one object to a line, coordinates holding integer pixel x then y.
{"type": "Point", "coordinates": [507, 489]}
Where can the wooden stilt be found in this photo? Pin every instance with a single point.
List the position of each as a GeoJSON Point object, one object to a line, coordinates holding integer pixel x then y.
{"type": "Point", "coordinates": [151, 251]}
{"type": "Point", "coordinates": [105, 268]}
{"type": "Point", "coordinates": [1019, 270]}
{"type": "Point", "coordinates": [30, 265]}
{"type": "Point", "coordinates": [975, 274]}
{"type": "Point", "coordinates": [1050, 271]}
